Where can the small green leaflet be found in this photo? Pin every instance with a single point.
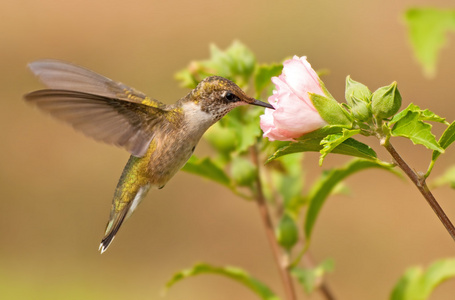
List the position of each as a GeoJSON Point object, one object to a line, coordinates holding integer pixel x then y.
{"type": "Point", "coordinates": [207, 169]}
{"type": "Point", "coordinates": [330, 142]}
{"type": "Point", "coordinates": [324, 186]}
{"type": "Point", "coordinates": [418, 284]}
{"type": "Point", "coordinates": [427, 29]}
{"type": "Point", "coordinates": [310, 277]}
{"type": "Point", "coordinates": [411, 126]}
{"type": "Point", "coordinates": [236, 274]}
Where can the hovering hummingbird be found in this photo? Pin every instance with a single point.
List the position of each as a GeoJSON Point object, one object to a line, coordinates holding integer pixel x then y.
{"type": "Point", "coordinates": [161, 138]}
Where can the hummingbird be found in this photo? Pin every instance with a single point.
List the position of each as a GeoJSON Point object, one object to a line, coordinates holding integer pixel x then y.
{"type": "Point", "coordinates": [160, 137]}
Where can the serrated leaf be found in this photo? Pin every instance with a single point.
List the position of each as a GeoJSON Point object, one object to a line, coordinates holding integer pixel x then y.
{"type": "Point", "coordinates": [427, 29]}
{"type": "Point", "coordinates": [264, 74]}
{"type": "Point", "coordinates": [236, 274]}
{"type": "Point", "coordinates": [411, 127]}
{"type": "Point", "coordinates": [447, 138]}
{"type": "Point", "coordinates": [324, 186]}
{"type": "Point", "coordinates": [310, 278]}
{"type": "Point", "coordinates": [206, 168]}
{"type": "Point", "coordinates": [424, 115]}
{"type": "Point", "coordinates": [330, 142]}
{"type": "Point", "coordinates": [418, 284]}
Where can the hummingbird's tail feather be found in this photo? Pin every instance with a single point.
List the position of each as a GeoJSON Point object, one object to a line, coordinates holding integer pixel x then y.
{"type": "Point", "coordinates": [119, 216]}
{"type": "Point", "coordinates": [111, 230]}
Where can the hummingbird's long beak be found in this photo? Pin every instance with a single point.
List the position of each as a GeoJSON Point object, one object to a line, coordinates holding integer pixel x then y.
{"type": "Point", "coordinates": [263, 104]}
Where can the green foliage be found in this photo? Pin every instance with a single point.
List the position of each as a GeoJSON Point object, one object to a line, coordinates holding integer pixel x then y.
{"type": "Point", "coordinates": [288, 178]}
{"type": "Point", "coordinates": [447, 138]}
{"type": "Point", "coordinates": [236, 274]}
{"type": "Point", "coordinates": [310, 278]}
{"type": "Point", "coordinates": [330, 110]}
{"type": "Point", "coordinates": [313, 142]}
{"type": "Point", "coordinates": [428, 29]}
{"type": "Point", "coordinates": [263, 75]}
{"type": "Point", "coordinates": [236, 63]}
{"type": "Point", "coordinates": [325, 185]}
{"type": "Point", "coordinates": [423, 115]}
{"type": "Point", "coordinates": [330, 142]}
{"type": "Point", "coordinates": [447, 178]}
{"type": "Point", "coordinates": [418, 284]}
{"type": "Point", "coordinates": [412, 127]}
{"type": "Point", "coordinates": [206, 168]}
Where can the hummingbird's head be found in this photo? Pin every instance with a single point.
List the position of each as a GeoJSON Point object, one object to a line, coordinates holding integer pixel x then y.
{"type": "Point", "coordinates": [217, 96]}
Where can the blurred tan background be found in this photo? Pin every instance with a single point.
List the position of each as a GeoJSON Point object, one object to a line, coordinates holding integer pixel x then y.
{"type": "Point", "coordinates": [56, 185]}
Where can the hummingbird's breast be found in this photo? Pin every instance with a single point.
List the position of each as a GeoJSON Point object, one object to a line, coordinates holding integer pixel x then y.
{"type": "Point", "coordinates": [174, 144]}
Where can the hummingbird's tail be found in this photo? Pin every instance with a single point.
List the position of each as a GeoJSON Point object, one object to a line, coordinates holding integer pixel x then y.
{"type": "Point", "coordinates": [131, 189]}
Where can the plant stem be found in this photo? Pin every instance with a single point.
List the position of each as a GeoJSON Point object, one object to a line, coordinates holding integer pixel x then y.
{"type": "Point", "coordinates": [421, 185]}
{"type": "Point", "coordinates": [322, 285]}
{"type": "Point", "coordinates": [267, 221]}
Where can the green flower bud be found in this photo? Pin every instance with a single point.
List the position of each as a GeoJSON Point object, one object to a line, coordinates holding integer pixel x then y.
{"type": "Point", "coordinates": [287, 233]}
{"type": "Point", "coordinates": [386, 101]}
{"type": "Point", "coordinates": [361, 110]}
{"type": "Point", "coordinates": [356, 91]}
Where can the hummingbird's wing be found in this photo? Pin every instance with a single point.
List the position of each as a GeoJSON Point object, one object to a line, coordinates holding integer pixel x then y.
{"type": "Point", "coordinates": [125, 124]}
{"type": "Point", "coordinates": [61, 75]}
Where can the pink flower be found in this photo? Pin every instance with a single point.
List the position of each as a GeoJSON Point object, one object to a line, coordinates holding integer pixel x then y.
{"type": "Point", "coordinates": [294, 114]}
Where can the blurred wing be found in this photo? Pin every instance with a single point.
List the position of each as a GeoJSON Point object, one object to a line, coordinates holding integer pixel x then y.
{"type": "Point", "coordinates": [61, 75]}
{"type": "Point", "coordinates": [113, 121]}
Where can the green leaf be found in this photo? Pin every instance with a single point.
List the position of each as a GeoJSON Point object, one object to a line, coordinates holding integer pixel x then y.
{"type": "Point", "coordinates": [310, 278]}
{"type": "Point", "coordinates": [330, 110]}
{"type": "Point", "coordinates": [330, 142]}
{"type": "Point", "coordinates": [324, 186]}
{"type": "Point", "coordinates": [448, 178]}
{"type": "Point", "coordinates": [447, 138]}
{"type": "Point", "coordinates": [237, 63]}
{"type": "Point", "coordinates": [289, 182]}
{"type": "Point", "coordinates": [312, 143]}
{"type": "Point", "coordinates": [424, 115]}
{"type": "Point", "coordinates": [287, 233]}
{"type": "Point", "coordinates": [264, 74]}
{"type": "Point", "coordinates": [427, 29]}
{"type": "Point", "coordinates": [236, 274]}
{"type": "Point", "coordinates": [206, 168]}
{"type": "Point", "coordinates": [411, 127]}
{"type": "Point", "coordinates": [418, 284]}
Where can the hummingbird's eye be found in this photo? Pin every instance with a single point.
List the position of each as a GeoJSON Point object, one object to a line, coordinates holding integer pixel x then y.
{"type": "Point", "coordinates": [230, 96]}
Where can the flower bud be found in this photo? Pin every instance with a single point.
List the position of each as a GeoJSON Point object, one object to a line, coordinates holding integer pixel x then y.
{"type": "Point", "coordinates": [386, 101]}
{"type": "Point", "coordinates": [361, 111]}
{"type": "Point", "coordinates": [356, 90]}
{"type": "Point", "coordinates": [287, 233]}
